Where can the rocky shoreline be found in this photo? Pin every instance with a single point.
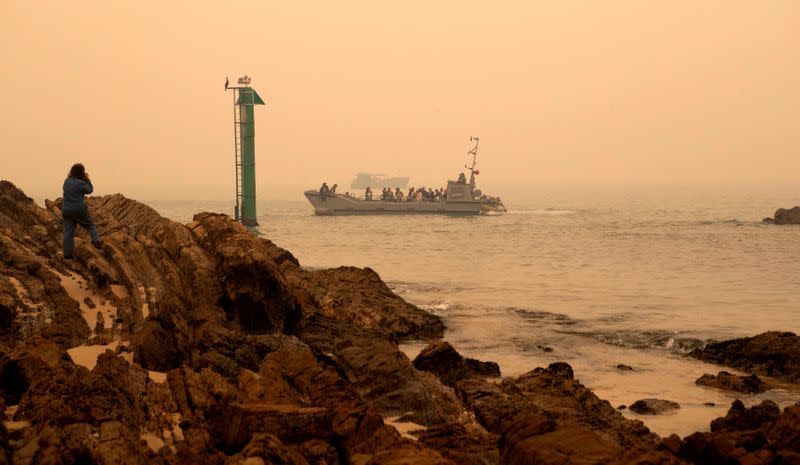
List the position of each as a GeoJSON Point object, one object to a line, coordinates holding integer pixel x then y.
{"type": "Point", "coordinates": [201, 343]}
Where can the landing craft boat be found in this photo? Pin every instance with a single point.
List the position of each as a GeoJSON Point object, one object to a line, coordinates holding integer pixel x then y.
{"type": "Point", "coordinates": [462, 198]}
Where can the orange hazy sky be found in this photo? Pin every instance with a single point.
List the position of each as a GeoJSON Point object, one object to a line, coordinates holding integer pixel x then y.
{"type": "Point", "coordinates": [565, 93]}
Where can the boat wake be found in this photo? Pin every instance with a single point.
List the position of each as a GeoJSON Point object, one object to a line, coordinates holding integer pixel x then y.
{"type": "Point", "coordinates": [545, 211]}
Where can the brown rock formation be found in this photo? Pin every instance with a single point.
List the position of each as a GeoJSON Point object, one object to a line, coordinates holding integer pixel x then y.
{"type": "Point", "coordinates": [749, 384]}
{"type": "Point", "coordinates": [380, 373]}
{"type": "Point", "coordinates": [775, 354]}
{"type": "Point", "coordinates": [546, 416]}
{"type": "Point", "coordinates": [760, 435]}
{"type": "Point", "coordinates": [219, 308]}
{"type": "Point", "coordinates": [790, 216]}
{"type": "Point", "coordinates": [653, 406]}
{"type": "Point", "coordinates": [359, 296]}
{"type": "Point", "coordinates": [442, 359]}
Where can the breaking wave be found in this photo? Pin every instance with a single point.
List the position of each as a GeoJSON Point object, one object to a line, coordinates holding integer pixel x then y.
{"type": "Point", "coordinates": [666, 340]}
{"type": "Point", "coordinates": [438, 307]}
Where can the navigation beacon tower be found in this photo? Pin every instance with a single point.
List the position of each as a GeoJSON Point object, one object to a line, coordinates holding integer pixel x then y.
{"type": "Point", "coordinates": [244, 98]}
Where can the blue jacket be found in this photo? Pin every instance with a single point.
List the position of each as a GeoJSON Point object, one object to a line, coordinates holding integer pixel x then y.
{"type": "Point", "coordinates": [74, 190]}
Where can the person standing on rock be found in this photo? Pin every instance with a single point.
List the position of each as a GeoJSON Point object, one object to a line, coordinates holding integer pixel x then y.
{"type": "Point", "coordinates": [74, 210]}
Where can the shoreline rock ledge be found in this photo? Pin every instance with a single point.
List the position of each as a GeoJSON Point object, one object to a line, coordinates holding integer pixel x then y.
{"type": "Point", "coordinates": [785, 216]}
{"type": "Point", "coordinates": [773, 353]}
{"type": "Point", "coordinates": [201, 343]}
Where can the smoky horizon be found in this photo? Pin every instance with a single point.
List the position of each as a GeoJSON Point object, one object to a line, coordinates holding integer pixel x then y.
{"type": "Point", "coordinates": [584, 95]}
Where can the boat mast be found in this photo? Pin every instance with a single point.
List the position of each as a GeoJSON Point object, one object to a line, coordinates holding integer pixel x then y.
{"type": "Point", "coordinates": [474, 152]}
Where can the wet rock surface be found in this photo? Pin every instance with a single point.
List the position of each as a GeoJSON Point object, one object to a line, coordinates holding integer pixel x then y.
{"type": "Point", "coordinates": [546, 416]}
{"type": "Point", "coordinates": [359, 296]}
{"type": "Point", "coordinates": [442, 359]}
{"type": "Point", "coordinates": [254, 360]}
{"type": "Point", "coordinates": [653, 406]}
{"type": "Point", "coordinates": [761, 434]}
{"type": "Point", "coordinates": [775, 354]}
{"type": "Point", "coordinates": [723, 380]}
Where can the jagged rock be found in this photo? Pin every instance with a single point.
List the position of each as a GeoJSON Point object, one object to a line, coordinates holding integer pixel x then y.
{"type": "Point", "coordinates": [220, 363]}
{"type": "Point", "coordinates": [749, 384]}
{"type": "Point", "coordinates": [292, 376]}
{"type": "Point", "coordinates": [356, 295]}
{"type": "Point", "coordinates": [741, 418]}
{"type": "Point", "coordinates": [790, 216]}
{"type": "Point", "coordinates": [775, 354]}
{"type": "Point", "coordinates": [32, 299]}
{"type": "Point", "coordinates": [164, 340]}
{"type": "Point", "coordinates": [532, 439]}
{"type": "Point", "coordinates": [785, 432]}
{"type": "Point", "coordinates": [760, 434]}
{"type": "Point", "coordinates": [197, 391]}
{"type": "Point", "coordinates": [624, 367]}
{"type": "Point", "coordinates": [380, 373]}
{"type": "Point", "coordinates": [647, 456]}
{"type": "Point", "coordinates": [118, 444]}
{"type": "Point", "coordinates": [29, 362]}
{"type": "Point", "coordinates": [408, 453]}
{"type": "Point", "coordinates": [445, 362]}
{"type": "Point", "coordinates": [494, 408]}
{"type": "Point", "coordinates": [44, 445]}
{"type": "Point", "coordinates": [462, 445]}
{"type": "Point", "coordinates": [113, 390]}
{"type": "Point", "coordinates": [359, 296]}
{"type": "Point", "coordinates": [234, 425]}
{"type": "Point", "coordinates": [552, 398]}
{"type": "Point", "coordinates": [256, 294]}
{"type": "Point", "coordinates": [247, 351]}
{"type": "Point", "coordinates": [653, 406]}
{"type": "Point", "coordinates": [317, 452]}
{"type": "Point", "coordinates": [5, 447]}
{"type": "Point", "coordinates": [248, 288]}
{"type": "Point", "coordinates": [269, 448]}
{"type": "Point", "coordinates": [111, 442]}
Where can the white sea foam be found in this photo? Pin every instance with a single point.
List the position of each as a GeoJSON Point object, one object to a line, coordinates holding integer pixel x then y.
{"type": "Point", "coordinates": [438, 307]}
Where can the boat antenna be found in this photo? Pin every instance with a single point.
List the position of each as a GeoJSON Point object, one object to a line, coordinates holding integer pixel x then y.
{"type": "Point", "coordinates": [474, 152]}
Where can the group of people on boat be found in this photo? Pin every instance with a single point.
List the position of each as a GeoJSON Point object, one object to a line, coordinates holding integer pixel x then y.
{"type": "Point", "coordinates": [421, 194]}
{"type": "Point", "coordinates": [414, 195]}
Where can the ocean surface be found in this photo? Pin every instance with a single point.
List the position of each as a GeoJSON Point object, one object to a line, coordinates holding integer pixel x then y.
{"type": "Point", "coordinates": [592, 279]}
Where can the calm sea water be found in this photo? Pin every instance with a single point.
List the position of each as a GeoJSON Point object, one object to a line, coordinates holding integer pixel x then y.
{"type": "Point", "coordinates": [601, 279]}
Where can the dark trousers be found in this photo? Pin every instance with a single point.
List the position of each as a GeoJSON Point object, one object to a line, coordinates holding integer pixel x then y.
{"type": "Point", "coordinates": [73, 218]}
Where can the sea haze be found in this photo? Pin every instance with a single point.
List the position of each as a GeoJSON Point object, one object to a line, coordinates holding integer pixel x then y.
{"type": "Point", "coordinates": [593, 280]}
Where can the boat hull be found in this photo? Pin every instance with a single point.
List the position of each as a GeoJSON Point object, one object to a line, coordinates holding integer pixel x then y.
{"type": "Point", "coordinates": [341, 205]}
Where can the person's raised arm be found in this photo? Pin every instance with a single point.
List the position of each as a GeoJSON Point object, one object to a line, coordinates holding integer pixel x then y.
{"type": "Point", "coordinates": [87, 188]}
